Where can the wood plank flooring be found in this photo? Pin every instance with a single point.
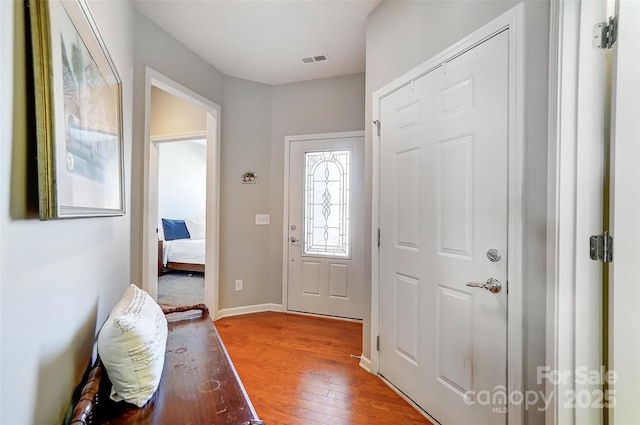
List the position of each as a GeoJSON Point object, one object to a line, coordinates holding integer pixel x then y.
{"type": "Point", "coordinates": [298, 370]}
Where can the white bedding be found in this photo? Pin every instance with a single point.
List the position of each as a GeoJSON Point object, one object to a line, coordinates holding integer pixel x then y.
{"type": "Point", "coordinates": [184, 251]}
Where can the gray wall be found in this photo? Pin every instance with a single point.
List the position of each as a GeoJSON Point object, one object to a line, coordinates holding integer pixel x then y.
{"type": "Point", "coordinates": [403, 34]}
{"type": "Point", "coordinates": [244, 247]}
{"type": "Point", "coordinates": [58, 279]}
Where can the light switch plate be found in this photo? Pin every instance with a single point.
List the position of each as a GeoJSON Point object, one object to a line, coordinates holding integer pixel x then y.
{"type": "Point", "coordinates": [262, 219]}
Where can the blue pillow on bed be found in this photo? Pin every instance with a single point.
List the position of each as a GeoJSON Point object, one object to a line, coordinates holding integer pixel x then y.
{"type": "Point", "coordinates": [174, 229]}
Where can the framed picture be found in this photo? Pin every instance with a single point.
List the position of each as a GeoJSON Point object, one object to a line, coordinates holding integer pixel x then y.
{"type": "Point", "coordinates": [78, 104]}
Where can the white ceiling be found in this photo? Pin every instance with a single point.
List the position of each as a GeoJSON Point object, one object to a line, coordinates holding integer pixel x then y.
{"type": "Point", "coordinates": [265, 40]}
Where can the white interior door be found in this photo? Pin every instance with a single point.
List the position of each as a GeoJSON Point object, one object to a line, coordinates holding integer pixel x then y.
{"type": "Point", "coordinates": [443, 220]}
{"type": "Point", "coordinates": [325, 226]}
{"type": "Point", "coordinates": [624, 339]}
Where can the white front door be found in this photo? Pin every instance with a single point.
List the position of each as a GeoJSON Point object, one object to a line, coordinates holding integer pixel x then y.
{"type": "Point", "coordinates": [325, 225]}
{"type": "Point", "coordinates": [443, 220]}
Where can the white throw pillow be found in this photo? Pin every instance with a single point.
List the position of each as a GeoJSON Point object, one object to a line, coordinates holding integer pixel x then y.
{"type": "Point", "coordinates": [197, 227]}
{"type": "Point", "coordinates": [132, 345]}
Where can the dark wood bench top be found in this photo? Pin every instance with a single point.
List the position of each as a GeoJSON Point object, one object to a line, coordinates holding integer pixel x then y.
{"type": "Point", "coordinates": [199, 384]}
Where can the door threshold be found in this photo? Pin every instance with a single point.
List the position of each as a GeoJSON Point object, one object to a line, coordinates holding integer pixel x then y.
{"type": "Point", "coordinates": [323, 316]}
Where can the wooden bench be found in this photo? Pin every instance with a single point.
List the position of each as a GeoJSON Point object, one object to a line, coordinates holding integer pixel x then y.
{"type": "Point", "coordinates": [199, 384]}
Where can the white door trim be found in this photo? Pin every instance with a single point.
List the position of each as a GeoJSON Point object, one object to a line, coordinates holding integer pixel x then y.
{"type": "Point", "coordinates": [563, 64]}
{"type": "Point", "coordinates": [150, 202]}
{"type": "Point", "coordinates": [285, 225]}
{"type": "Point", "coordinates": [513, 20]}
{"type": "Point", "coordinates": [567, 327]}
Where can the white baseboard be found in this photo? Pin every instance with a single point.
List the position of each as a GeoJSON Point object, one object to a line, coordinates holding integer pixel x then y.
{"type": "Point", "coordinates": [248, 309]}
{"type": "Point", "coordinates": [365, 363]}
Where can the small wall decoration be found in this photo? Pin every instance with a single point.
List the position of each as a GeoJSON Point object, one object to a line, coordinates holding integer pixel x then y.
{"type": "Point", "coordinates": [78, 101]}
{"type": "Point", "coordinates": [249, 177]}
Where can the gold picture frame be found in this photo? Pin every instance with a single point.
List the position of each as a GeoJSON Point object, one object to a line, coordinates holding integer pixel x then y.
{"type": "Point", "coordinates": [78, 105]}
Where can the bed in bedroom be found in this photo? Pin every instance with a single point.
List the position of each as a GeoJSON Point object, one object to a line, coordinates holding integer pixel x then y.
{"type": "Point", "coordinates": [182, 245]}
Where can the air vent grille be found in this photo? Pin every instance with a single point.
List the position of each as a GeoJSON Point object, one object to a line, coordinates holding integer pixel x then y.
{"type": "Point", "coordinates": [312, 59]}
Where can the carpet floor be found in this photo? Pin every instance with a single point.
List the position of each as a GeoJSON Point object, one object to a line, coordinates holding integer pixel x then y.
{"type": "Point", "coordinates": [181, 288]}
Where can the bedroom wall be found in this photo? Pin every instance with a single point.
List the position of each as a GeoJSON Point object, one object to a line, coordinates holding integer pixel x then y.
{"type": "Point", "coordinates": [58, 279]}
{"type": "Point", "coordinates": [174, 118]}
{"type": "Point", "coordinates": [182, 179]}
{"type": "Point", "coordinates": [400, 37]}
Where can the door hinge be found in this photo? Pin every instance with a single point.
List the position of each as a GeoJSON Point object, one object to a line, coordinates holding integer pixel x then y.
{"type": "Point", "coordinates": [605, 33]}
{"type": "Point", "coordinates": [377, 123]}
{"type": "Point", "coordinates": [601, 247]}
{"type": "Point", "coordinates": [378, 237]}
{"type": "Point", "coordinates": [378, 343]}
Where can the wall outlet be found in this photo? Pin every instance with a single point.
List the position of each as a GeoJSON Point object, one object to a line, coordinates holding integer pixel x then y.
{"type": "Point", "coordinates": [239, 285]}
{"type": "Point", "coordinates": [263, 219]}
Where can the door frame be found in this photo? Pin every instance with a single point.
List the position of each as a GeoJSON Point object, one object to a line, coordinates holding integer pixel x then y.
{"type": "Point", "coordinates": [513, 20]}
{"type": "Point", "coordinates": [150, 193]}
{"type": "Point", "coordinates": [565, 330]}
{"type": "Point", "coordinates": [285, 224]}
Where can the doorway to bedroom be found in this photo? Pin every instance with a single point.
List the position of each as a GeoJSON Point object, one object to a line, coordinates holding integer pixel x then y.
{"type": "Point", "coordinates": [181, 194]}
{"type": "Point", "coordinates": [182, 200]}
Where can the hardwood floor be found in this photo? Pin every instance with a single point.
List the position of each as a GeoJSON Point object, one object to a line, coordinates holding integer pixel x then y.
{"type": "Point", "coordinates": [298, 370]}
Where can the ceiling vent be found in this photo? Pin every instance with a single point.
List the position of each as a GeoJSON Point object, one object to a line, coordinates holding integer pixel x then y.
{"type": "Point", "coordinates": [319, 58]}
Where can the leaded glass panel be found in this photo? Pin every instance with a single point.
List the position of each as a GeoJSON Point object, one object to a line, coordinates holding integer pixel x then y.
{"type": "Point", "coordinates": [326, 203]}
